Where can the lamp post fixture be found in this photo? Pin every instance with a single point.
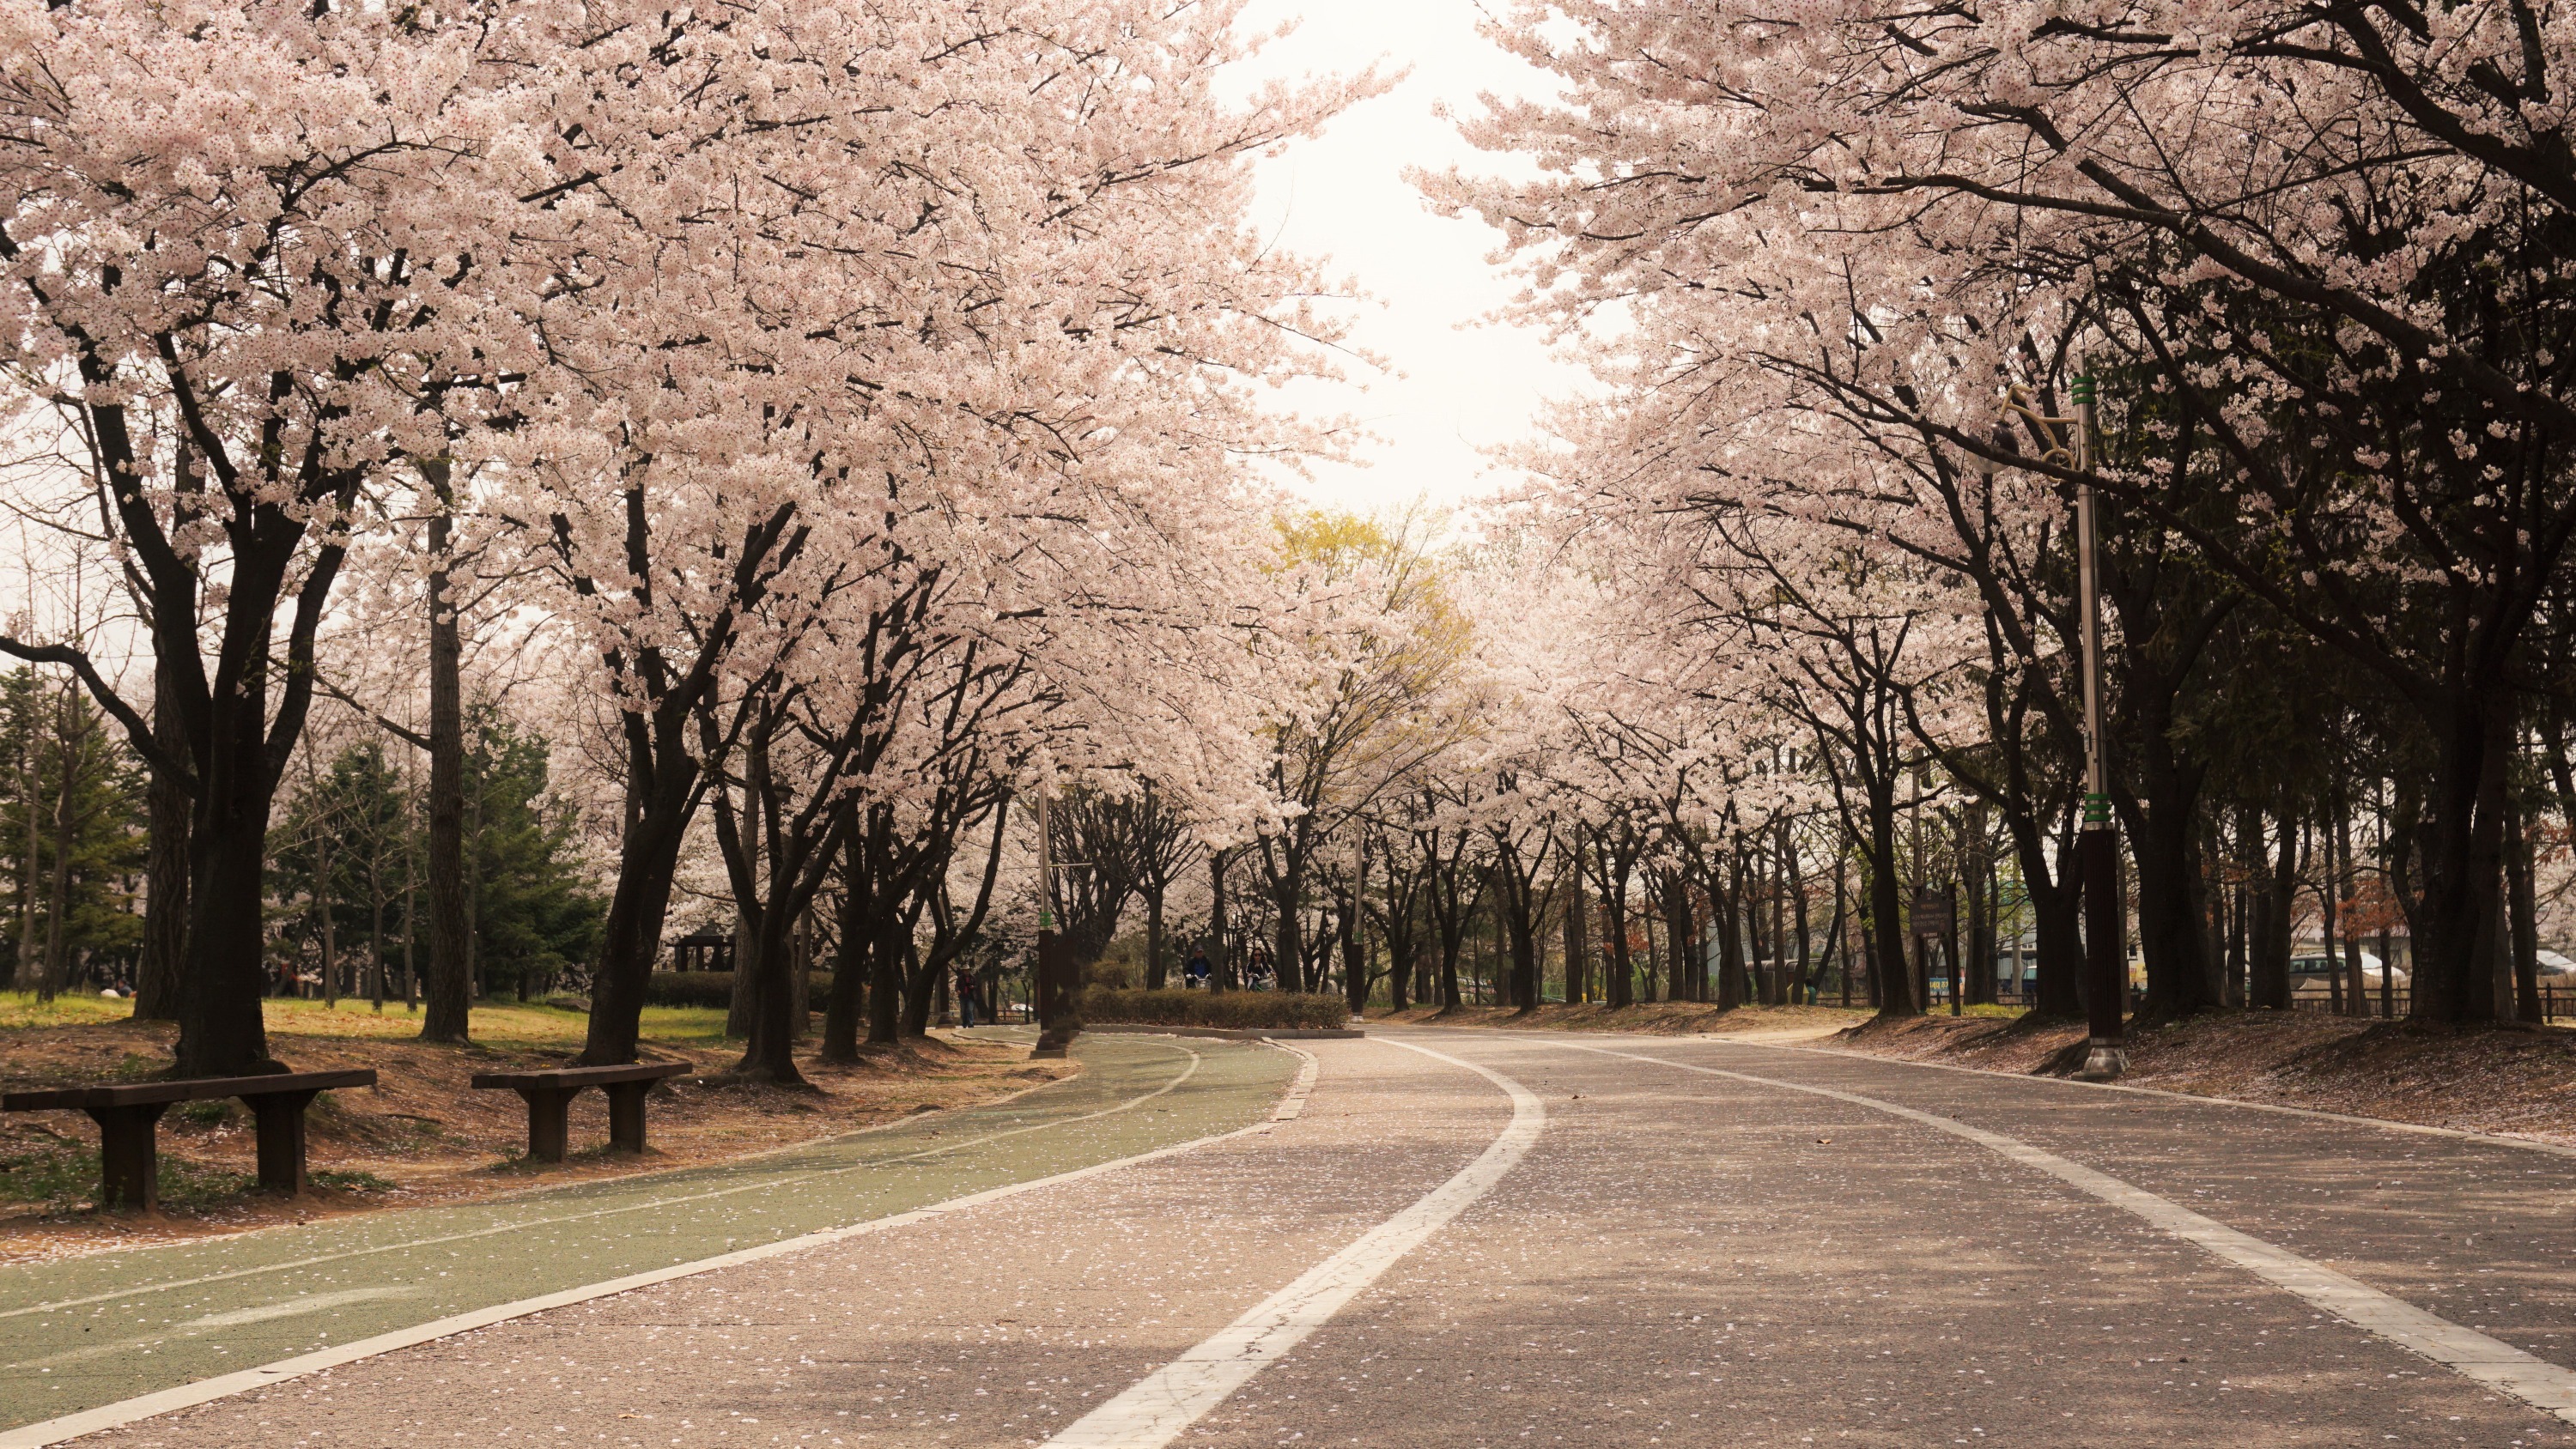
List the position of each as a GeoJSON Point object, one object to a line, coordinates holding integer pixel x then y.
{"type": "Point", "coordinates": [2106, 966]}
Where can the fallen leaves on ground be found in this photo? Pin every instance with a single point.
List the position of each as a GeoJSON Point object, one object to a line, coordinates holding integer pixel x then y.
{"type": "Point", "coordinates": [2501, 1078]}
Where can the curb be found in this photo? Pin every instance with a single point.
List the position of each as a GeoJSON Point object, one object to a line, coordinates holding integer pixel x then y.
{"type": "Point", "coordinates": [1229, 1033]}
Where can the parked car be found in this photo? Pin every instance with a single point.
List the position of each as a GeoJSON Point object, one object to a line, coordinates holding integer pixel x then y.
{"type": "Point", "coordinates": [2311, 972]}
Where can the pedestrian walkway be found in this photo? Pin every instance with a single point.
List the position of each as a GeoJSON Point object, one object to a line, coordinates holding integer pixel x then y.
{"type": "Point", "coordinates": [111, 1326]}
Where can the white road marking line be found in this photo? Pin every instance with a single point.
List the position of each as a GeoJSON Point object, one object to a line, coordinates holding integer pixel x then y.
{"type": "Point", "coordinates": [659, 1202]}
{"type": "Point", "coordinates": [2498, 1365]}
{"type": "Point", "coordinates": [237, 1318]}
{"type": "Point", "coordinates": [1293, 1105]}
{"type": "Point", "coordinates": [1167, 1401]}
{"type": "Point", "coordinates": [292, 1307]}
{"type": "Point", "coordinates": [186, 1396]}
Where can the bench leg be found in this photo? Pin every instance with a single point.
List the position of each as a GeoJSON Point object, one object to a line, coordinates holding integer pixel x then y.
{"type": "Point", "coordinates": [281, 1139]}
{"type": "Point", "coordinates": [626, 1115]}
{"type": "Point", "coordinates": [129, 1162]}
{"type": "Point", "coordinates": [547, 1125]}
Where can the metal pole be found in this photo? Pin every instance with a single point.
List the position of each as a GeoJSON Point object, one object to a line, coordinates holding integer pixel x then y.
{"type": "Point", "coordinates": [2106, 965]}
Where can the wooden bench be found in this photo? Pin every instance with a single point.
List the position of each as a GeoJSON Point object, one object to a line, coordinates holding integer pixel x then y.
{"type": "Point", "coordinates": [129, 1113]}
{"type": "Point", "coordinates": [549, 1092]}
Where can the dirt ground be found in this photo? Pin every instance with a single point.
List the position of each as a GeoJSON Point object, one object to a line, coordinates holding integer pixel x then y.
{"type": "Point", "coordinates": [2513, 1080]}
{"type": "Point", "coordinates": [2506, 1079]}
{"type": "Point", "coordinates": [423, 1135]}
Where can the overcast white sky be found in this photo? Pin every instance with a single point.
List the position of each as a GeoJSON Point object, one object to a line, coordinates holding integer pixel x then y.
{"type": "Point", "coordinates": [1455, 387]}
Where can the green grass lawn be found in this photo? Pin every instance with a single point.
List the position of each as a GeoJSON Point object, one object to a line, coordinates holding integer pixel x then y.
{"type": "Point", "coordinates": [497, 1022]}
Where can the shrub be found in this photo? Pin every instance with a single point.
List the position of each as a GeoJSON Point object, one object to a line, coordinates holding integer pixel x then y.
{"type": "Point", "coordinates": [1241, 1009]}
{"type": "Point", "coordinates": [712, 988]}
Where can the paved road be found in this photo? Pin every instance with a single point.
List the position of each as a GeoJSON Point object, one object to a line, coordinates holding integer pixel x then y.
{"type": "Point", "coordinates": [97, 1329]}
{"type": "Point", "coordinates": [1490, 1239]}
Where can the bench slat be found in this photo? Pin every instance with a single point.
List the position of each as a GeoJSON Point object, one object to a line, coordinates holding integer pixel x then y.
{"type": "Point", "coordinates": [541, 1078]}
{"type": "Point", "coordinates": [186, 1089]}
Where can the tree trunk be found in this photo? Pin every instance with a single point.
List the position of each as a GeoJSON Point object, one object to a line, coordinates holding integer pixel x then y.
{"type": "Point", "coordinates": [1520, 936]}
{"type": "Point", "coordinates": [850, 967]}
{"type": "Point", "coordinates": [1690, 973]}
{"type": "Point", "coordinates": [2454, 923]}
{"type": "Point", "coordinates": [1897, 994]}
{"type": "Point", "coordinates": [2170, 909]}
{"type": "Point", "coordinates": [1838, 934]}
{"type": "Point", "coordinates": [221, 1033]}
{"type": "Point", "coordinates": [2348, 887]}
{"type": "Point", "coordinates": [769, 1052]}
{"type": "Point", "coordinates": [1355, 976]}
{"type": "Point", "coordinates": [1796, 876]}
{"type": "Point", "coordinates": [67, 746]}
{"type": "Point", "coordinates": [801, 948]}
{"type": "Point", "coordinates": [2268, 969]}
{"type": "Point", "coordinates": [2329, 881]}
{"type": "Point", "coordinates": [1578, 960]}
{"type": "Point", "coordinates": [376, 914]}
{"type": "Point", "coordinates": [745, 1004]}
{"type": "Point", "coordinates": [1403, 958]}
{"type": "Point", "coordinates": [411, 916]}
{"type": "Point", "coordinates": [1757, 951]}
{"type": "Point", "coordinates": [1155, 975]}
{"type": "Point", "coordinates": [1978, 971]}
{"type": "Point", "coordinates": [165, 911]}
{"type": "Point", "coordinates": [2521, 898]}
{"type": "Point", "coordinates": [921, 987]}
{"type": "Point", "coordinates": [1218, 962]}
{"type": "Point", "coordinates": [447, 1004]}
{"type": "Point", "coordinates": [1288, 896]}
{"type": "Point", "coordinates": [2240, 926]}
{"type": "Point", "coordinates": [889, 936]}
{"type": "Point", "coordinates": [30, 972]}
{"type": "Point", "coordinates": [661, 794]}
{"type": "Point", "coordinates": [323, 883]}
{"type": "Point", "coordinates": [1623, 971]}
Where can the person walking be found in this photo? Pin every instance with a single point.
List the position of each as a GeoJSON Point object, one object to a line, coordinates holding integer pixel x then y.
{"type": "Point", "coordinates": [965, 981]}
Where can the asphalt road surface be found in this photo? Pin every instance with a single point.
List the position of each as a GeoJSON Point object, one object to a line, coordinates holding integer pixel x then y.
{"type": "Point", "coordinates": [1471, 1238]}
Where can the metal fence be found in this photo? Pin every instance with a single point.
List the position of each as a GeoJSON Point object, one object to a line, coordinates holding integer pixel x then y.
{"type": "Point", "coordinates": [2557, 1003]}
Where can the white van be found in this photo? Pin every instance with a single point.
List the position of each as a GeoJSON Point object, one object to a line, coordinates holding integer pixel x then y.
{"type": "Point", "coordinates": [2311, 971]}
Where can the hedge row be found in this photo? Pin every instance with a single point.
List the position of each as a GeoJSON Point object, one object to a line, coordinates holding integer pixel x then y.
{"type": "Point", "coordinates": [713, 988]}
{"type": "Point", "coordinates": [1281, 1009]}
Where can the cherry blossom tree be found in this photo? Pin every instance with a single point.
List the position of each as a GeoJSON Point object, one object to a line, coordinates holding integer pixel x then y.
{"type": "Point", "coordinates": [246, 250]}
{"type": "Point", "coordinates": [2314, 257]}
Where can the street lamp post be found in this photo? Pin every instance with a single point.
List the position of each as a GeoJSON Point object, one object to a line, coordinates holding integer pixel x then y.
{"type": "Point", "coordinates": [2106, 966]}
